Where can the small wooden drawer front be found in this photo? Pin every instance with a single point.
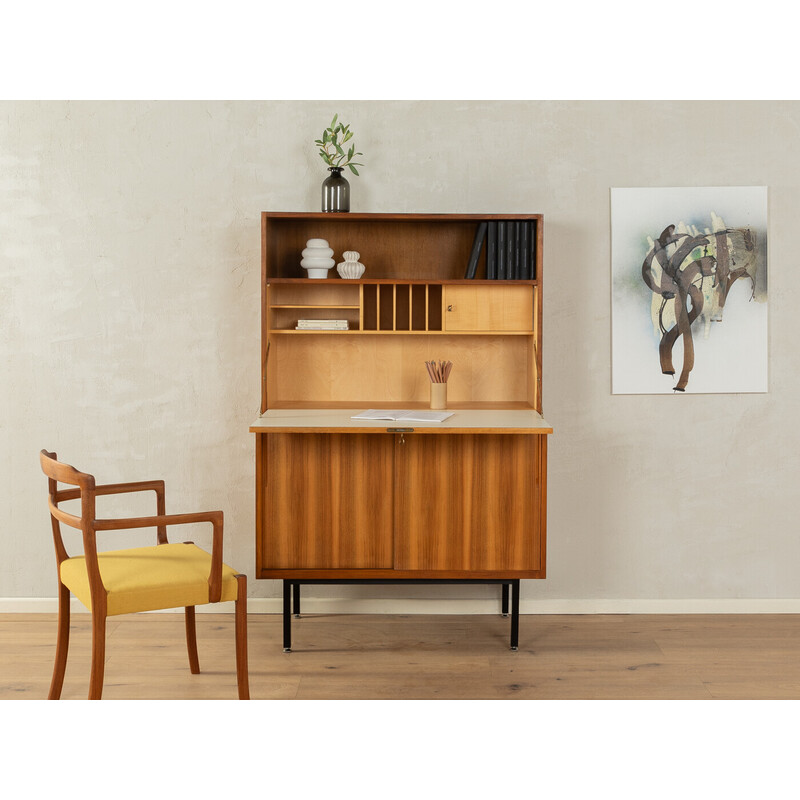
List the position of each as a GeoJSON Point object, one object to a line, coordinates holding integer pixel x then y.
{"type": "Point", "coordinates": [488, 308]}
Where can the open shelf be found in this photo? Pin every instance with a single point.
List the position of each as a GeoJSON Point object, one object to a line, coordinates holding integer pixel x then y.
{"type": "Point", "coordinates": [358, 368]}
{"type": "Point", "coordinates": [396, 247]}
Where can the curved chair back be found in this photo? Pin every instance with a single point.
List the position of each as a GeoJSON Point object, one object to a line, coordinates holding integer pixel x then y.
{"type": "Point", "coordinates": [58, 472]}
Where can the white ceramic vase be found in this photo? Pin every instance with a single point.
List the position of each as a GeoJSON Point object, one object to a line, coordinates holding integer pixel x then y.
{"type": "Point", "coordinates": [351, 267]}
{"type": "Point", "coordinates": [317, 258]}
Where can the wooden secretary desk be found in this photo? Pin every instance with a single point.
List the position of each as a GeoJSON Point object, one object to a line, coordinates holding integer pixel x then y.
{"type": "Point", "coordinates": [340, 500]}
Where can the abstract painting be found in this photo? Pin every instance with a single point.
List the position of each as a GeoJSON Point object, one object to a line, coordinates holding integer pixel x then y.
{"type": "Point", "coordinates": [689, 290]}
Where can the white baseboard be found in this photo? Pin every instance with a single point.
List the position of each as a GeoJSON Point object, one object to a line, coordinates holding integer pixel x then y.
{"type": "Point", "coordinates": [332, 605]}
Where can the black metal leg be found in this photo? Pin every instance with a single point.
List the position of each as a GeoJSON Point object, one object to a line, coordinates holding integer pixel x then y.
{"type": "Point", "coordinates": [287, 616]}
{"type": "Point", "coordinates": [504, 610]}
{"type": "Point", "coordinates": [514, 615]}
{"type": "Point", "coordinates": [296, 600]}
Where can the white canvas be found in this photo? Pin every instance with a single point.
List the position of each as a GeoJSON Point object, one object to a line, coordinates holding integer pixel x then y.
{"type": "Point", "coordinates": [715, 325]}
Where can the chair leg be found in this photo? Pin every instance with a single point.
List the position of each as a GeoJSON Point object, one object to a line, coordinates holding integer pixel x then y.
{"type": "Point", "coordinates": [98, 654]}
{"type": "Point", "coordinates": [242, 672]}
{"type": "Point", "coordinates": [62, 643]}
{"type": "Point", "coordinates": [191, 641]}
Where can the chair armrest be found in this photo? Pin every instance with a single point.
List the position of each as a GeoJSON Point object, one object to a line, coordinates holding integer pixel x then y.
{"type": "Point", "coordinates": [214, 517]}
{"type": "Point", "coordinates": [132, 486]}
{"type": "Point", "coordinates": [125, 488]}
{"type": "Point", "coordinates": [114, 488]}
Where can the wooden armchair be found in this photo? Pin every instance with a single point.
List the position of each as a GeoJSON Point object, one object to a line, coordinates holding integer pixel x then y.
{"type": "Point", "coordinates": [141, 579]}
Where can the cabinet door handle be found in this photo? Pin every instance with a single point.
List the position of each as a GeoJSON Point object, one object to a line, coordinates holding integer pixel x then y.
{"type": "Point", "coordinates": [450, 307]}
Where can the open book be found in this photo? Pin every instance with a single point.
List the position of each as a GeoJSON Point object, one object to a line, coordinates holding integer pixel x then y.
{"type": "Point", "coordinates": [404, 416]}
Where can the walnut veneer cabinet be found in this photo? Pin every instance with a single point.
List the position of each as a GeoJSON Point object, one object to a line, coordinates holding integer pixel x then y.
{"type": "Point", "coordinates": [341, 500]}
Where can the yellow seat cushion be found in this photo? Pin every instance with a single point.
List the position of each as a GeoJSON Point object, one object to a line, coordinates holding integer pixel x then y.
{"type": "Point", "coordinates": [149, 578]}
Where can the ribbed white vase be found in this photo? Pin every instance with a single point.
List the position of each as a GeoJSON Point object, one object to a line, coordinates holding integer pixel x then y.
{"type": "Point", "coordinates": [351, 267]}
{"type": "Point", "coordinates": [317, 258]}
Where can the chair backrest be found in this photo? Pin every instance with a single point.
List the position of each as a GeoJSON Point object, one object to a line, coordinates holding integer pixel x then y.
{"type": "Point", "coordinates": [58, 472]}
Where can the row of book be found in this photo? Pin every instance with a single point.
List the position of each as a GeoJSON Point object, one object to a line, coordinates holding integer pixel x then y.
{"type": "Point", "coordinates": [322, 325]}
{"type": "Point", "coordinates": [510, 250]}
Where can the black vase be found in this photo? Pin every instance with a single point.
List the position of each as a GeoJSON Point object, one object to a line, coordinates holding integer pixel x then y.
{"type": "Point", "coordinates": [335, 191]}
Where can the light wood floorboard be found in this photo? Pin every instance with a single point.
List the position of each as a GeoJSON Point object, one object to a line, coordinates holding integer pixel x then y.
{"type": "Point", "coordinates": [419, 657]}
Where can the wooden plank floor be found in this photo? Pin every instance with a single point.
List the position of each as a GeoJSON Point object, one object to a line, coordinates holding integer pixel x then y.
{"type": "Point", "coordinates": [420, 657]}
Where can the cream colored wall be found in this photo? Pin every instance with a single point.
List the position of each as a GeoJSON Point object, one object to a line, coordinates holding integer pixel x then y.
{"type": "Point", "coordinates": [129, 322]}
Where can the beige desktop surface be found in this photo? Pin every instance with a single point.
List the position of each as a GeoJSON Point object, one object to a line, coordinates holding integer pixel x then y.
{"type": "Point", "coordinates": [525, 421]}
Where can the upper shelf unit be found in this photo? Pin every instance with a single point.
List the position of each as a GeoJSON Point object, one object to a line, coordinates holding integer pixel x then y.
{"type": "Point", "coordinates": [395, 247]}
{"type": "Point", "coordinates": [334, 343]}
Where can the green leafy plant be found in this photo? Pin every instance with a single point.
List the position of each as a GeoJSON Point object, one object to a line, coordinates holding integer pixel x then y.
{"type": "Point", "coordinates": [332, 144]}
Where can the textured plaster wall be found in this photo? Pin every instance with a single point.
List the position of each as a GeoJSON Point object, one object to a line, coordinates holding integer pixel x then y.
{"type": "Point", "coordinates": [129, 321]}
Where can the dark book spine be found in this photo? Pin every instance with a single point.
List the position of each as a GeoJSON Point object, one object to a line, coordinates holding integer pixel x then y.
{"type": "Point", "coordinates": [509, 250]}
{"type": "Point", "coordinates": [532, 256]}
{"type": "Point", "coordinates": [517, 251]}
{"type": "Point", "coordinates": [501, 250]}
{"type": "Point", "coordinates": [511, 238]}
{"type": "Point", "coordinates": [491, 251]}
{"type": "Point", "coordinates": [525, 251]}
{"type": "Point", "coordinates": [477, 243]}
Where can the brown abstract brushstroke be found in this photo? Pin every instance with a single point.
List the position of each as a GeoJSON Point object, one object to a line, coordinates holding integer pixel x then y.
{"type": "Point", "coordinates": [684, 317]}
{"type": "Point", "coordinates": [677, 284]}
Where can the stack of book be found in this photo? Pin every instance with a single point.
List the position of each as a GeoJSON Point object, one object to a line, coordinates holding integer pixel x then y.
{"type": "Point", "coordinates": [510, 250]}
{"type": "Point", "coordinates": [322, 325]}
